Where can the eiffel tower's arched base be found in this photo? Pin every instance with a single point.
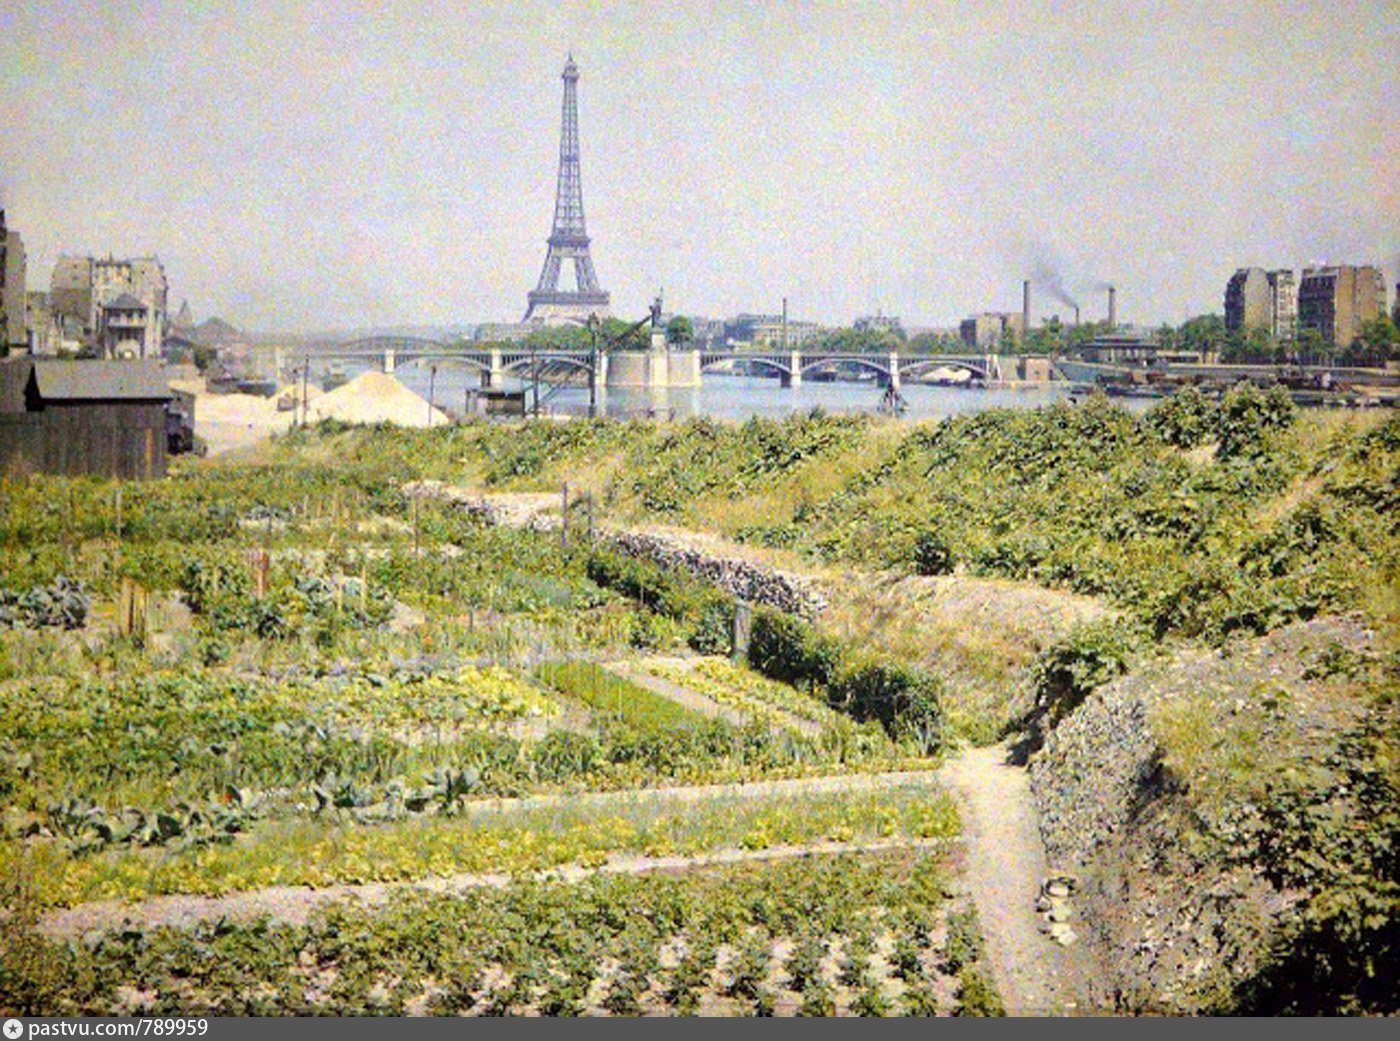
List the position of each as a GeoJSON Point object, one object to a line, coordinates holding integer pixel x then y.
{"type": "Point", "coordinates": [559, 309]}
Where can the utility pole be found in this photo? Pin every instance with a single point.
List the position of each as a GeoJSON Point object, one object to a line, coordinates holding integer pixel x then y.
{"type": "Point", "coordinates": [593, 329]}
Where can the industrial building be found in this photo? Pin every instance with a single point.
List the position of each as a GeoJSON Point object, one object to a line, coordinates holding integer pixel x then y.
{"type": "Point", "coordinates": [86, 289]}
{"type": "Point", "coordinates": [1337, 301]}
{"type": "Point", "coordinates": [991, 328]}
{"type": "Point", "coordinates": [13, 335]}
{"type": "Point", "coordinates": [103, 418]}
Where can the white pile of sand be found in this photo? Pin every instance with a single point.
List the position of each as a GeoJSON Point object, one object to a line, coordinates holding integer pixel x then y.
{"type": "Point", "coordinates": [227, 421]}
{"type": "Point", "coordinates": [376, 397]}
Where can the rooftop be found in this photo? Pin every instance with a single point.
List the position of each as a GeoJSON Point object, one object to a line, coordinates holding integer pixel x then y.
{"type": "Point", "coordinates": [125, 302]}
{"type": "Point", "coordinates": [101, 380]}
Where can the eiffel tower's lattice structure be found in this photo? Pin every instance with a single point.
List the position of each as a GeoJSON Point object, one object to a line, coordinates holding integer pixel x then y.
{"type": "Point", "coordinates": [569, 238]}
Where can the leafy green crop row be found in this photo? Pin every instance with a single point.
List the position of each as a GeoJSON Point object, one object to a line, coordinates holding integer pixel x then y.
{"type": "Point", "coordinates": [711, 941]}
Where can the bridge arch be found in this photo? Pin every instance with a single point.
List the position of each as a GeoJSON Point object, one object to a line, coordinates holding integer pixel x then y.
{"type": "Point", "coordinates": [447, 361]}
{"type": "Point", "coordinates": [711, 362]}
{"type": "Point", "coordinates": [524, 362]}
{"type": "Point", "coordinates": [832, 360]}
{"type": "Point", "coordinates": [916, 367]}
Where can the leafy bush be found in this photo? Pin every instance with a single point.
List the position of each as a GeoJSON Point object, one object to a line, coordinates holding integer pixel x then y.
{"type": "Point", "coordinates": [1184, 420]}
{"type": "Point", "coordinates": [904, 699]}
{"type": "Point", "coordinates": [788, 649]}
{"type": "Point", "coordinates": [705, 613]}
{"type": "Point", "coordinates": [1064, 674]}
{"type": "Point", "coordinates": [932, 555]}
{"type": "Point", "coordinates": [62, 605]}
{"type": "Point", "coordinates": [1247, 417]}
{"type": "Point", "coordinates": [1337, 843]}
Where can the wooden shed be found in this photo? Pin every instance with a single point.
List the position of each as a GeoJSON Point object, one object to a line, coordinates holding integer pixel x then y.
{"type": "Point", "coordinates": [105, 418]}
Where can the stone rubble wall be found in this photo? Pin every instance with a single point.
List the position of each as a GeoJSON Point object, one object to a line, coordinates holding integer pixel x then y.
{"type": "Point", "coordinates": [1175, 922]}
{"type": "Point", "coordinates": [753, 582]}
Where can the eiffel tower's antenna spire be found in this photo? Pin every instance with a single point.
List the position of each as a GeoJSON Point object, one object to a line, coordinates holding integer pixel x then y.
{"type": "Point", "coordinates": [568, 239]}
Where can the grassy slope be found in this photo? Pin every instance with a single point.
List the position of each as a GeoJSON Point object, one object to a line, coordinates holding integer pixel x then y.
{"type": "Point", "coordinates": [1087, 502]}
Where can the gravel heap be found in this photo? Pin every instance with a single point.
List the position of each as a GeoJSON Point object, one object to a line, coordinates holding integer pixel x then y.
{"type": "Point", "coordinates": [376, 397]}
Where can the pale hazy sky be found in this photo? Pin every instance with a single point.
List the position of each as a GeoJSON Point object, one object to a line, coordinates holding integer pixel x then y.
{"type": "Point", "coordinates": [316, 165]}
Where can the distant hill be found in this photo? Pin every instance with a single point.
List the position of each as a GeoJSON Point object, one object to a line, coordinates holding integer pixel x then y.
{"type": "Point", "coordinates": [215, 332]}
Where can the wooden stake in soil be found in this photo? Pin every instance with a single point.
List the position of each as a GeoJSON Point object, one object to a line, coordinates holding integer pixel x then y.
{"type": "Point", "coordinates": [564, 518]}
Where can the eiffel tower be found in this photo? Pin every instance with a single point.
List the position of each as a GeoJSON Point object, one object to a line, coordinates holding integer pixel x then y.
{"type": "Point", "coordinates": [548, 304]}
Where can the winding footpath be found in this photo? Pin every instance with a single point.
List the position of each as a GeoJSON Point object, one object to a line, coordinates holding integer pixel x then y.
{"type": "Point", "coordinates": [1003, 870]}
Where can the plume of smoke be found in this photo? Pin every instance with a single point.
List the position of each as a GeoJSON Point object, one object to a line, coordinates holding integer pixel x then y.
{"type": "Point", "coordinates": [1047, 275]}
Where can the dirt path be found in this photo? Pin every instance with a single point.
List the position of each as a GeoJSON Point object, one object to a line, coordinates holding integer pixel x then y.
{"type": "Point", "coordinates": [1004, 866]}
{"type": "Point", "coordinates": [683, 696]}
{"type": "Point", "coordinates": [295, 904]}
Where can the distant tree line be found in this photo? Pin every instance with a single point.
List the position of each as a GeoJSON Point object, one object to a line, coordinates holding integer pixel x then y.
{"type": "Point", "coordinates": [1377, 342]}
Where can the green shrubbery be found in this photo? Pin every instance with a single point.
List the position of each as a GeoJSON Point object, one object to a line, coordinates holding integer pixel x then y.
{"type": "Point", "coordinates": [705, 614]}
{"type": "Point", "coordinates": [902, 698]}
{"type": "Point", "coordinates": [1338, 842]}
{"type": "Point", "coordinates": [1065, 673]}
{"type": "Point", "coordinates": [789, 650]}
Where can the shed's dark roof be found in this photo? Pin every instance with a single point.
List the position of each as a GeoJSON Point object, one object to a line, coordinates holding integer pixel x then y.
{"type": "Point", "coordinates": [101, 380]}
{"type": "Point", "coordinates": [126, 302]}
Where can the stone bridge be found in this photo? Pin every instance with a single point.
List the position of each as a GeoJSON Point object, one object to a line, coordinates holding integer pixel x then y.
{"type": "Point", "coordinates": [496, 364]}
{"type": "Point", "coordinates": [890, 369]}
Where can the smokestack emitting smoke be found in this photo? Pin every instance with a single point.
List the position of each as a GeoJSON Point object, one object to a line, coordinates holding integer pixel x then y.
{"type": "Point", "coordinates": [1025, 307]}
{"type": "Point", "coordinates": [1045, 273]}
{"type": "Point", "coordinates": [1076, 316]}
{"type": "Point", "coordinates": [1112, 307]}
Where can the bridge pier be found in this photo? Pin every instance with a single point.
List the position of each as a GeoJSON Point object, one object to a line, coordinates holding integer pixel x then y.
{"type": "Point", "coordinates": [389, 361]}
{"type": "Point", "coordinates": [495, 375]}
{"type": "Point", "coordinates": [794, 376]}
{"type": "Point", "coordinates": [894, 371]}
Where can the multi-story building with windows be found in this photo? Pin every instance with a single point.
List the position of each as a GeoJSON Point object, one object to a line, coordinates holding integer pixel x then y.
{"type": "Point", "coordinates": [1248, 301]}
{"type": "Point", "coordinates": [768, 330]}
{"type": "Point", "coordinates": [1283, 299]}
{"type": "Point", "coordinates": [880, 323]}
{"type": "Point", "coordinates": [13, 336]}
{"type": "Point", "coordinates": [85, 287]}
{"type": "Point", "coordinates": [1337, 301]}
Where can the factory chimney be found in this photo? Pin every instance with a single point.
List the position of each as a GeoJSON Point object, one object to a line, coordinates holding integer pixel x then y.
{"type": "Point", "coordinates": [1112, 308]}
{"type": "Point", "coordinates": [1076, 316]}
{"type": "Point", "coordinates": [1026, 308]}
